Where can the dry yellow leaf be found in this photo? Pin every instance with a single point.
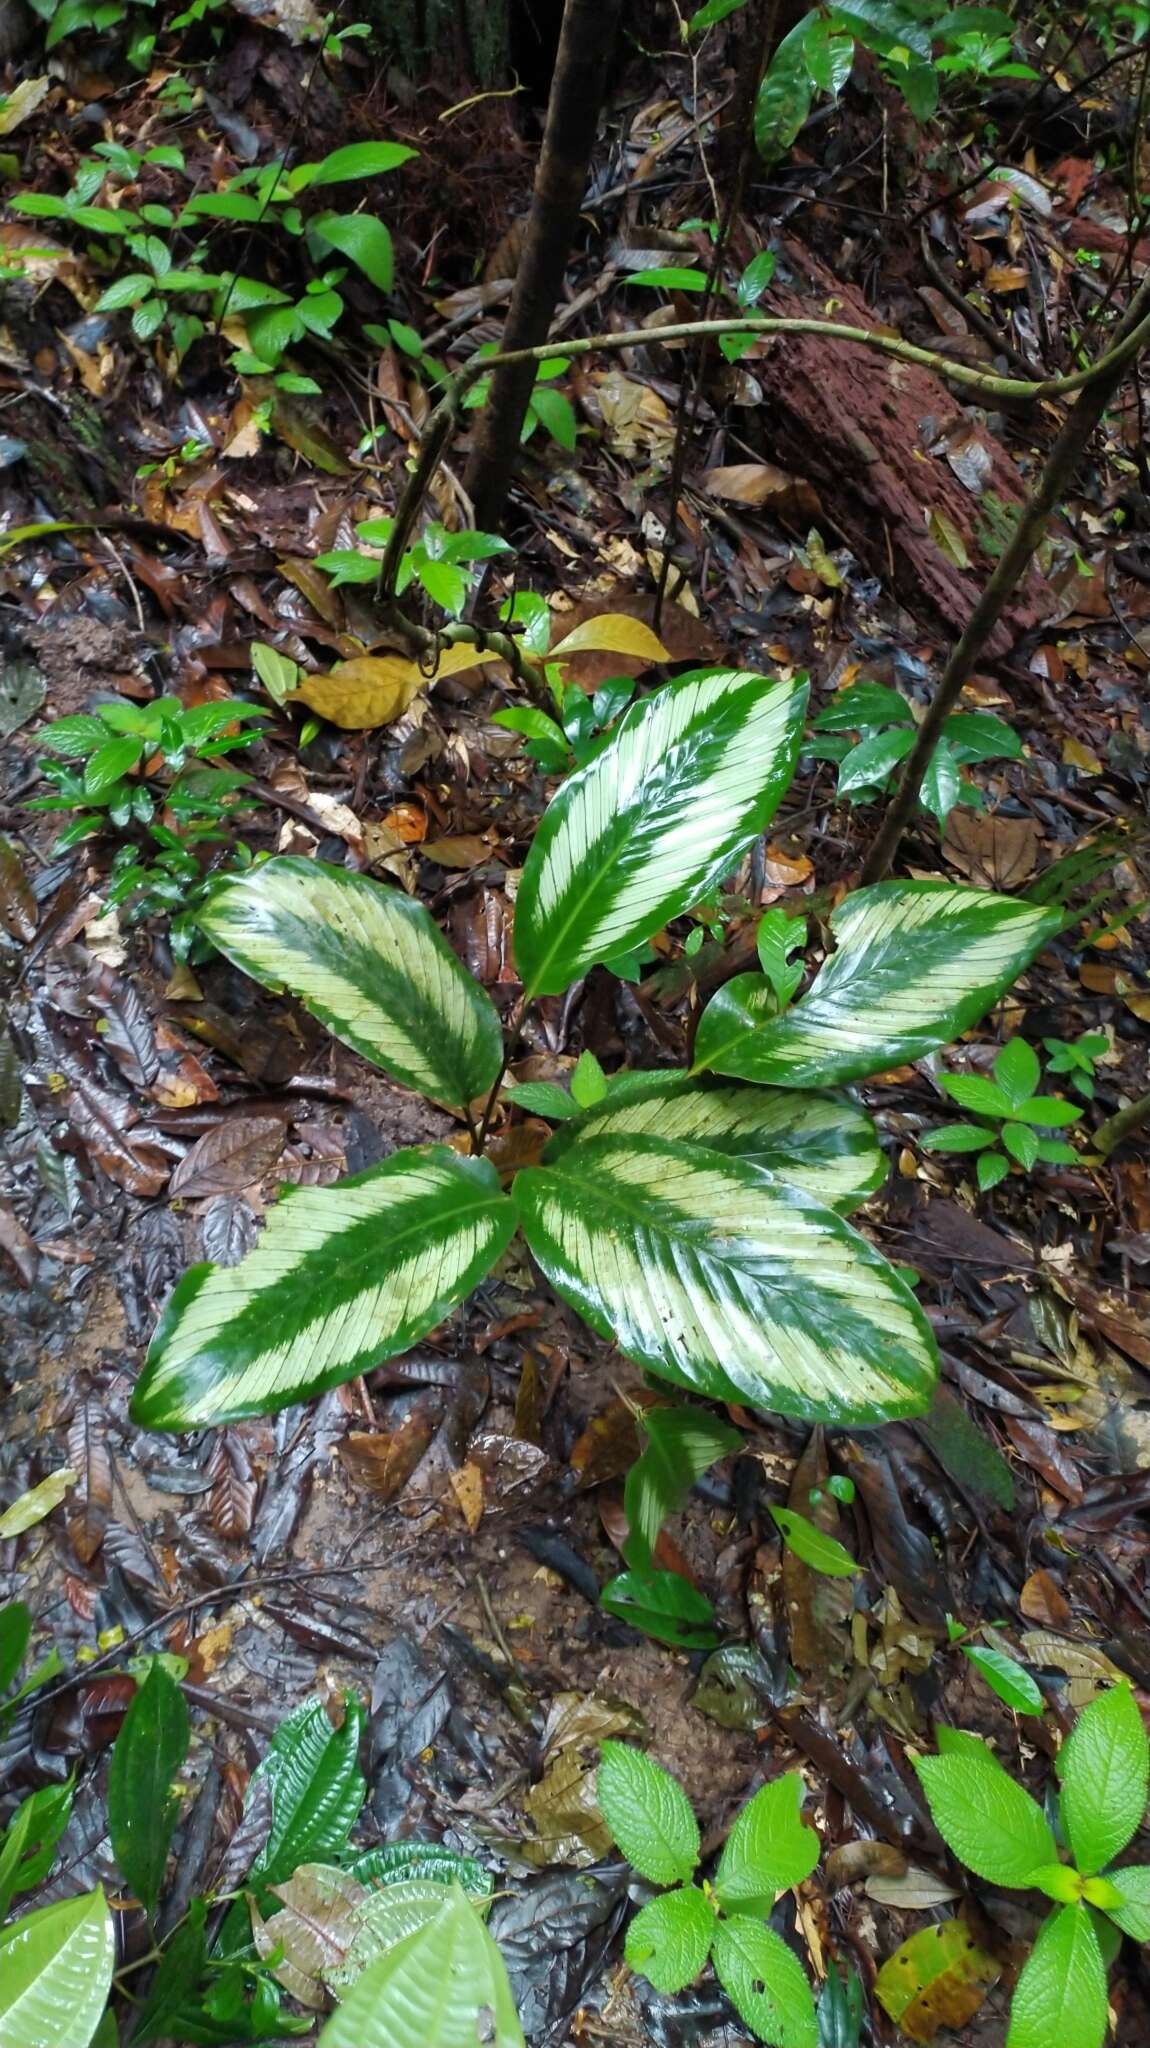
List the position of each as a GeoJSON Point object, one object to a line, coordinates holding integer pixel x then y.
{"type": "Point", "coordinates": [945, 535]}
{"type": "Point", "coordinates": [612, 633]}
{"type": "Point", "coordinates": [22, 101]}
{"type": "Point", "coordinates": [1074, 755]}
{"type": "Point", "coordinates": [375, 688]}
{"type": "Point", "coordinates": [467, 1486]}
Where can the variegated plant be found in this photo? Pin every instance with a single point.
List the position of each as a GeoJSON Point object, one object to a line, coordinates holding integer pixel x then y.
{"type": "Point", "coordinates": [698, 1222]}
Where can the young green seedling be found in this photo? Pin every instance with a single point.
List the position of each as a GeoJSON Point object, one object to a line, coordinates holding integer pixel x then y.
{"type": "Point", "coordinates": [996, 1829]}
{"type": "Point", "coordinates": [1013, 1113]}
{"type": "Point", "coordinates": [1077, 1058]}
{"type": "Point", "coordinates": [869, 730]}
{"type": "Point", "coordinates": [722, 1921]}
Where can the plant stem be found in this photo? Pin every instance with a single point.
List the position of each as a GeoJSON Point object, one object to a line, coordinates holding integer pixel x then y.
{"type": "Point", "coordinates": [586, 46]}
{"type": "Point", "coordinates": [1110, 1135]}
{"type": "Point", "coordinates": [1061, 466]}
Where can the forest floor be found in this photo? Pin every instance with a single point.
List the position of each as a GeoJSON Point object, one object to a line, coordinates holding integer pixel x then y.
{"type": "Point", "coordinates": [435, 1535]}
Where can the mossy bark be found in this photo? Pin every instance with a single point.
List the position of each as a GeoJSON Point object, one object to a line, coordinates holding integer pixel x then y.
{"type": "Point", "coordinates": [464, 40]}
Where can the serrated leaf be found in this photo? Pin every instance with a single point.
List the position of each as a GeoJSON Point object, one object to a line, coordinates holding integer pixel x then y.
{"type": "Point", "coordinates": [1007, 1677]}
{"type": "Point", "coordinates": [916, 964]}
{"type": "Point", "coordinates": [648, 1813]}
{"type": "Point", "coordinates": [993, 1826]}
{"type": "Point", "coordinates": [664, 1606]}
{"type": "Point", "coordinates": [688, 779]}
{"type": "Point", "coordinates": [150, 1749]}
{"type": "Point", "coordinates": [765, 1983]}
{"type": "Point", "coordinates": [670, 1939]}
{"type": "Point", "coordinates": [768, 1850]}
{"type": "Point", "coordinates": [1103, 1767]}
{"type": "Point", "coordinates": [1060, 1998]}
{"type": "Point", "coordinates": [444, 1986]}
{"type": "Point", "coordinates": [1133, 1916]}
{"type": "Point", "coordinates": [370, 963]}
{"type": "Point", "coordinates": [312, 1774]}
{"type": "Point", "coordinates": [341, 1278]}
{"type": "Point", "coordinates": [682, 1444]}
{"type": "Point", "coordinates": [429, 1862]}
{"type": "Point", "coordinates": [812, 1546]}
{"type": "Point", "coordinates": [822, 1143]}
{"type": "Point", "coordinates": [55, 1974]}
{"type": "Point", "coordinates": [726, 1281]}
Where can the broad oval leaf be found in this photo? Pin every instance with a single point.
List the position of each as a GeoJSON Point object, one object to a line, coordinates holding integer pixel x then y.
{"type": "Point", "coordinates": [915, 965]}
{"type": "Point", "coordinates": [341, 1278]}
{"type": "Point", "coordinates": [727, 1281]}
{"type": "Point", "coordinates": [648, 1813]}
{"type": "Point", "coordinates": [765, 1983]}
{"type": "Point", "coordinates": [669, 1940]}
{"type": "Point", "coordinates": [688, 780]}
{"type": "Point", "coordinates": [812, 1545]}
{"type": "Point", "coordinates": [821, 1143]}
{"type": "Point", "coordinates": [55, 1974]}
{"type": "Point", "coordinates": [443, 1986]}
{"type": "Point", "coordinates": [991, 1823]}
{"type": "Point", "coordinates": [769, 1849]}
{"type": "Point", "coordinates": [1007, 1677]}
{"type": "Point", "coordinates": [1060, 1998]}
{"type": "Point", "coordinates": [369, 963]}
{"type": "Point", "coordinates": [1103, 1767]}
{"type": "Point", "coordinates": [364, 239]}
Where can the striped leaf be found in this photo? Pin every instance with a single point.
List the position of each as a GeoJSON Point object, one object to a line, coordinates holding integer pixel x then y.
{"type": "Point", "coordinates": [369, 963]}
{"type": "Point", "coordinates": [915, 964]}
{"type": "Point", "coordinates": [686, 783]}
{"type": "Point", "coordinates": [727, 1281]}
{"type": "Point", "coordinates": [341, 1278]}
{"type": "Point", "coordinates": [821, 1143]}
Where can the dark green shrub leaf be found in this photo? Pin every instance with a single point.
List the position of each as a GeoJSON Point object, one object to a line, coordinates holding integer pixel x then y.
{"type": "Point", "coordinates": [916, 964]}
{"type": "Point", "coordinates": [370, 963]}
{"type": "Point", "coordinates": [727, 1282]}
{"type": "Point", "coordinates": [1103, 1766]}
{"type": "Point", "coordinates": [648, 1813]}
{"type": "Point", "coordinates": [355, 160]}
{"type": "Point", "coordinates": [363, 239]}
{"type": "Point", "coordinates": [993, 1826]}
{"type": "Point", "coordinates": [176, 1981]}
{"type": "Point", "coordinates": [664, 1606]}
{"type": "Point", "coordinates": [1007, 1677]}
{"type": "Point", "coordinates": [341, 1278]}
{"type": "Point", "coordinates": [821, 1143]}
{"type": "Point", "coordinates": [670, 1939]}
{"type": "Point", "coordinates": [682, 1444]}
{"type": "Point", "coordinates": [965, 1454]}
{"type": "Point", "coordinates": [1060, 1998]}
{"type": "Point", "coordinates": [425, 1862]}
{"type": "Point", "coordinates": [765, 1983]}
{"type": "Point", "coordinates": [28, 1843]}
{"type": "Point", "coordinates": [142, 1811]}
{"type": "Point", "coordinates": [768, 1850]}
{"type": "Point", "coordinates": [312, 1773]}
{"type": "Point", "coordinates": [688, 780]}
{"type": "Point", "coordinates": [868, 765]}
{"type": "Point", "coordinates": [15, 1632]}
{"type": "Point", "coordinates": [784, 97]}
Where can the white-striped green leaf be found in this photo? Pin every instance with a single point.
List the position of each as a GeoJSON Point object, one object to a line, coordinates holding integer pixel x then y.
{"type": "Point", "coordinates": [727, 1281]}
{"type": "Point", "coordinates": [686, 783]}
{"type": "Point", "coordinates": [821, 1143]}
{"type": "Point", "coordinates": [341, 1278]}
{"type": "Point", "coordinates": [369, 963]}
{"type": "Point", "coordinates": [915, 964]}
{"type": "Point", "coordinates": [55, 1974]}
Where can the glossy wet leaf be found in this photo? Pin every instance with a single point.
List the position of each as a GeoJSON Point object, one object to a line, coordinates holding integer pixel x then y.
{"type": "Point", "coordinates": [1007, 1677]}
{"type": "Point", "coordinates": [990, 1822]}
{"type": "Point", "coordinates": [1103, 1766]}
{"type": "Point", "coordinates": [341, 1278]}
{"type": "Point", "coordinates": [648, 1813]}
{"type": "Point", "coordinates": [369, 963]}
{"type": "Point", "coordinates": [312, 1774]}
{"type": "Point", "coordinates": [819, 1142]}
{"type": "Point", "coordinates": [664, 1606]}
{"type": "Point", "coordinates": [143, 1807]}
{"type": "Point", "coordinates": [55, 1974]}
{"type": "Point", "coordinates": [669, 1939]}
{"type": "Point", "coordinates": [768, 1850]}
{"type": "Point", "coordinates": [939, 1977]}
{"type": "Point", "coordinates": [1060, 1998]}
{"type": "Point", "coordinates": [765, 1983]}
{"type": "Point", "coordinates": [915, 965]}
{"type": "Point", "coordinates": [689, 778]}
{"type": "Point", "coordinates": [443, 1986]}
{"type": "Point", "coordinates": [681, 1444]}
{"type": "Point", "coordinates": [726, 1281]}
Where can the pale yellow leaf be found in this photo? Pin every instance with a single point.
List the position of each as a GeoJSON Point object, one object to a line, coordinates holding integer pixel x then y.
{"type": "Point", "coordinates": [945, 535]}
{"type": "Point", "coordinates": [37, 1502]}
{"type": "Point", "coordinates": [22, 101]}
{"type": "Point", "coordinates": [375, 688]}
{"type": "Point", "coordinates": [612, 633]}
{"type": "Point", "coordinates": [1084, 759]}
